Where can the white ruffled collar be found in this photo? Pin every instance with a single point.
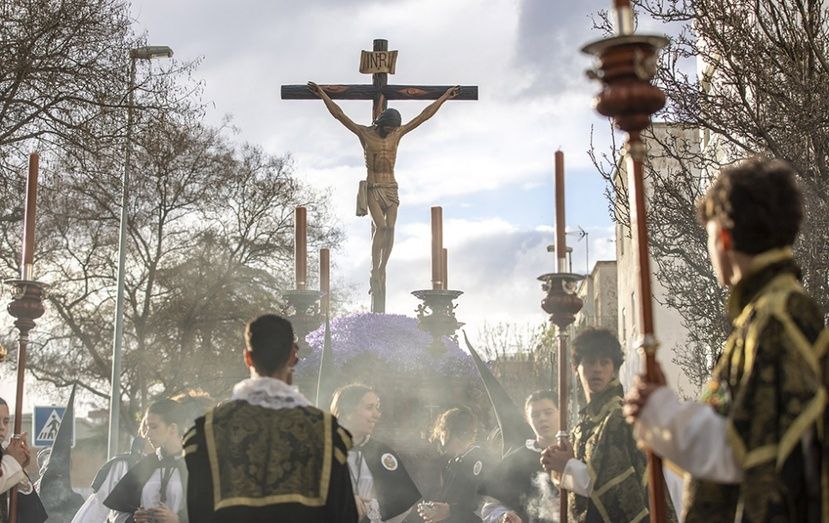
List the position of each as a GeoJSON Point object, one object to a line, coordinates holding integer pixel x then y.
{"type": "Point", "coordinates": [269, 392]}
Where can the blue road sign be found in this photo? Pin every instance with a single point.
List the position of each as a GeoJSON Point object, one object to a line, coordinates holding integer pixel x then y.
{"type": "Point", "coordinates": [46, 421]}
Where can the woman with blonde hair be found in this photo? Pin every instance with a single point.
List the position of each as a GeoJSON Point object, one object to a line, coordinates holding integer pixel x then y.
{"type": "Point", "coordinates": [383, 489]}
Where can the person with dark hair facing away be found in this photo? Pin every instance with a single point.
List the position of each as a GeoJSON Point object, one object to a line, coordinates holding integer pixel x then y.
{"type": "Point", "coordinates": [267, 454]}
{"type": "Point", "coordinates": [155, 488]}
{"type": "Point", "coordinates": [603, 470]}
{"type": "Point", "coordinates": [753, 445]}
{"type": "Point", "coordinates": [518, 490]}
{"type": "Point", "coordinates": [383, 490]}
{"type": "Point", "coordinates": [455, 432]}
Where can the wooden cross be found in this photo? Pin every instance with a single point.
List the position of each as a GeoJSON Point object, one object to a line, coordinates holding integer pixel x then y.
{"type": "Point", "coordinates": [380, 63]}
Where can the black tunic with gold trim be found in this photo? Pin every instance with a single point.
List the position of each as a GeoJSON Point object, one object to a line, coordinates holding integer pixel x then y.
{"type": "Point", "coordinates": [770, 383]}
{"type": "Point", "coordinates": [604, 442]}
{"type": "Point", "coordinates": [251, 463]}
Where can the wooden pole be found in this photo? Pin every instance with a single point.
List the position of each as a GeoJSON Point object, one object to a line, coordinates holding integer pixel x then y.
{"type": "Point", "coordinates": [27, 255]}
{"type": "Point", "coordinates": [561, 266]}
{"type": "Point", "coordinates": [325, 281]}
{"type": "Point", "coordinates": [27, 305]}
{"type": "Point", "coordinates": [636, 156]}
{"type": "Point", "coordinates": [379, 80]}
{"type": "Point", "coordinates": [629, 97]}
{"type": "Point", "coordinates": [437, 247]}
{"type": "Point", "coordinates": [301, 247]}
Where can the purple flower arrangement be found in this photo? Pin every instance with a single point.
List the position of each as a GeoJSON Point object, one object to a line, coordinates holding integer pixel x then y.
{"type": "Point", "coordinates": [393, 339]}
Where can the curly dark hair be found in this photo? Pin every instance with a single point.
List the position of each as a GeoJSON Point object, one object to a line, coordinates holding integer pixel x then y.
{"type": "Point", "coordinates": [456, 422]}
{"type": "Point", "coordinates": [601, 343]}
{"type": "Point", "coordinates": [756, 200]}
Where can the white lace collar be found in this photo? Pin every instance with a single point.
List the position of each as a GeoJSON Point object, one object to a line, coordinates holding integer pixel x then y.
{"type": "Point", "coordinates": [269, 392]}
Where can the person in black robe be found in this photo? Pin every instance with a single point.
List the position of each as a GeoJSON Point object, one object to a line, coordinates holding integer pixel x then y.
{"type": "Point", "coordinates": [518, 490]}
{"type": "Point", "coordinates": [93, 509]}
{"type": "Point", "coordinates": [155, 488]}
{"type": "Point", "coordinates": [383, 490]}
{"type": "Point", "coordinates": [458, 501]}
{"type": "Point", "coordinates": [268, 454]}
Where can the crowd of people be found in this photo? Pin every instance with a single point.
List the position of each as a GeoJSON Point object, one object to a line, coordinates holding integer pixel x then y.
{"type": "Point", "coordinates": [752, 447]}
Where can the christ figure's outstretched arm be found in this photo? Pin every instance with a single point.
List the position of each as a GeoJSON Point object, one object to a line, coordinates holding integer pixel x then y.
{"type": "Point", "coordinates": [334, 109]}
{"type": "Point", "coordinates": [430, 110]}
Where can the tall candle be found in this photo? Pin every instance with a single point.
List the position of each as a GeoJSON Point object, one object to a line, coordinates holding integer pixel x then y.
{"type": "Point", "coordinates": [561, 244]}
{"type": "Point", "coordinates": [301, 247]}
{"type": "Point", "coordinates": [437, 247]}
{"type": "Point", "coordinates": [445, 268]}
{"type": "Point", "coordinates": [624, 17]}
{"type": "Point", "coordinates": [325, 280]}
{"type": "Point", "coordinates": [27, 256]}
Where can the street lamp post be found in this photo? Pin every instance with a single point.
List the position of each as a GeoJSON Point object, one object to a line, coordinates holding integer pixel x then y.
{"type": "Point", "coordinates": [139, 53]}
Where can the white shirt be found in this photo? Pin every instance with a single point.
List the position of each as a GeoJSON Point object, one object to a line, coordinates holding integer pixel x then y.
{"type": "Point", "coordinates": [93, 510]}
{"type": "Point", "coordinates": [691, 434]}
{"type": "Point", "coordinates": [12, 473]}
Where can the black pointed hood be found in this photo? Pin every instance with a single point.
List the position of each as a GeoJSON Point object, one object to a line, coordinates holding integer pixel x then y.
{"type": "Point", "coordinates": [515, 430]}
{"type": "Point", "coordinates": [60, 501]}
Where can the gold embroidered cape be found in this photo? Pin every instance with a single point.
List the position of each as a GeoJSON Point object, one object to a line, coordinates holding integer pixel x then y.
{"type": "Point", "coordinates": [770, 382]}
{"type": "Point", "coordinates": [604, 441]}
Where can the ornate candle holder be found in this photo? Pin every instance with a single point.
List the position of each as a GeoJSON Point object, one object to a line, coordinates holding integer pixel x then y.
{"type": "Point", "coordinates": [436, 315]}
{"type": "Point", "coordinates": [26, 306]}
{"type": "Point", "coordinates": [561, 302]}
{"type": "Point", "coordinates": [306, 315]}
{"type": "Point", "coordinates": [627, 64]}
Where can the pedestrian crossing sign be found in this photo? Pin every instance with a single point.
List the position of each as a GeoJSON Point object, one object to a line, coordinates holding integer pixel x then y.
{"type": "Point", "coordinates": [46, 421]}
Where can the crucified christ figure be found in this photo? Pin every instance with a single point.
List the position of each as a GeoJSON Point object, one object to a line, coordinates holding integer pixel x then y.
{"type": "Point", "coordinates": [378, 193]}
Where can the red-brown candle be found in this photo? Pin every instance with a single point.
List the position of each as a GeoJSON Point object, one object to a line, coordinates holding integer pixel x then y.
{"type": "Point", "coordinates": [445, 268]}
{"type": "Point", "coordinates": [561, 243]}
{"type": "Point", "coordinates": [437, 247]}
{"type": "Point", "coordinates": [27, 256]}
{"type": "Point", "coordinates": [301, 247]}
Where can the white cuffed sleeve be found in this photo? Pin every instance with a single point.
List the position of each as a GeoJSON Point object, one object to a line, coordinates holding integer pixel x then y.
{"type": "Point", "coordinates": [12, 473]}
{"type": "Point", "coordinates": [690, 434]}
{"type": "Point", "coordinates": [575, 478]}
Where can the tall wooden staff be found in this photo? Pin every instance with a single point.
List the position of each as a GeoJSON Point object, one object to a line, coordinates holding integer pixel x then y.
{"type": "Point", "coordinates": [627, 64]}
{"type": "Point", "coordinates": [562, 304]}
{"type": "Point", "coordinates": [27, 303]}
